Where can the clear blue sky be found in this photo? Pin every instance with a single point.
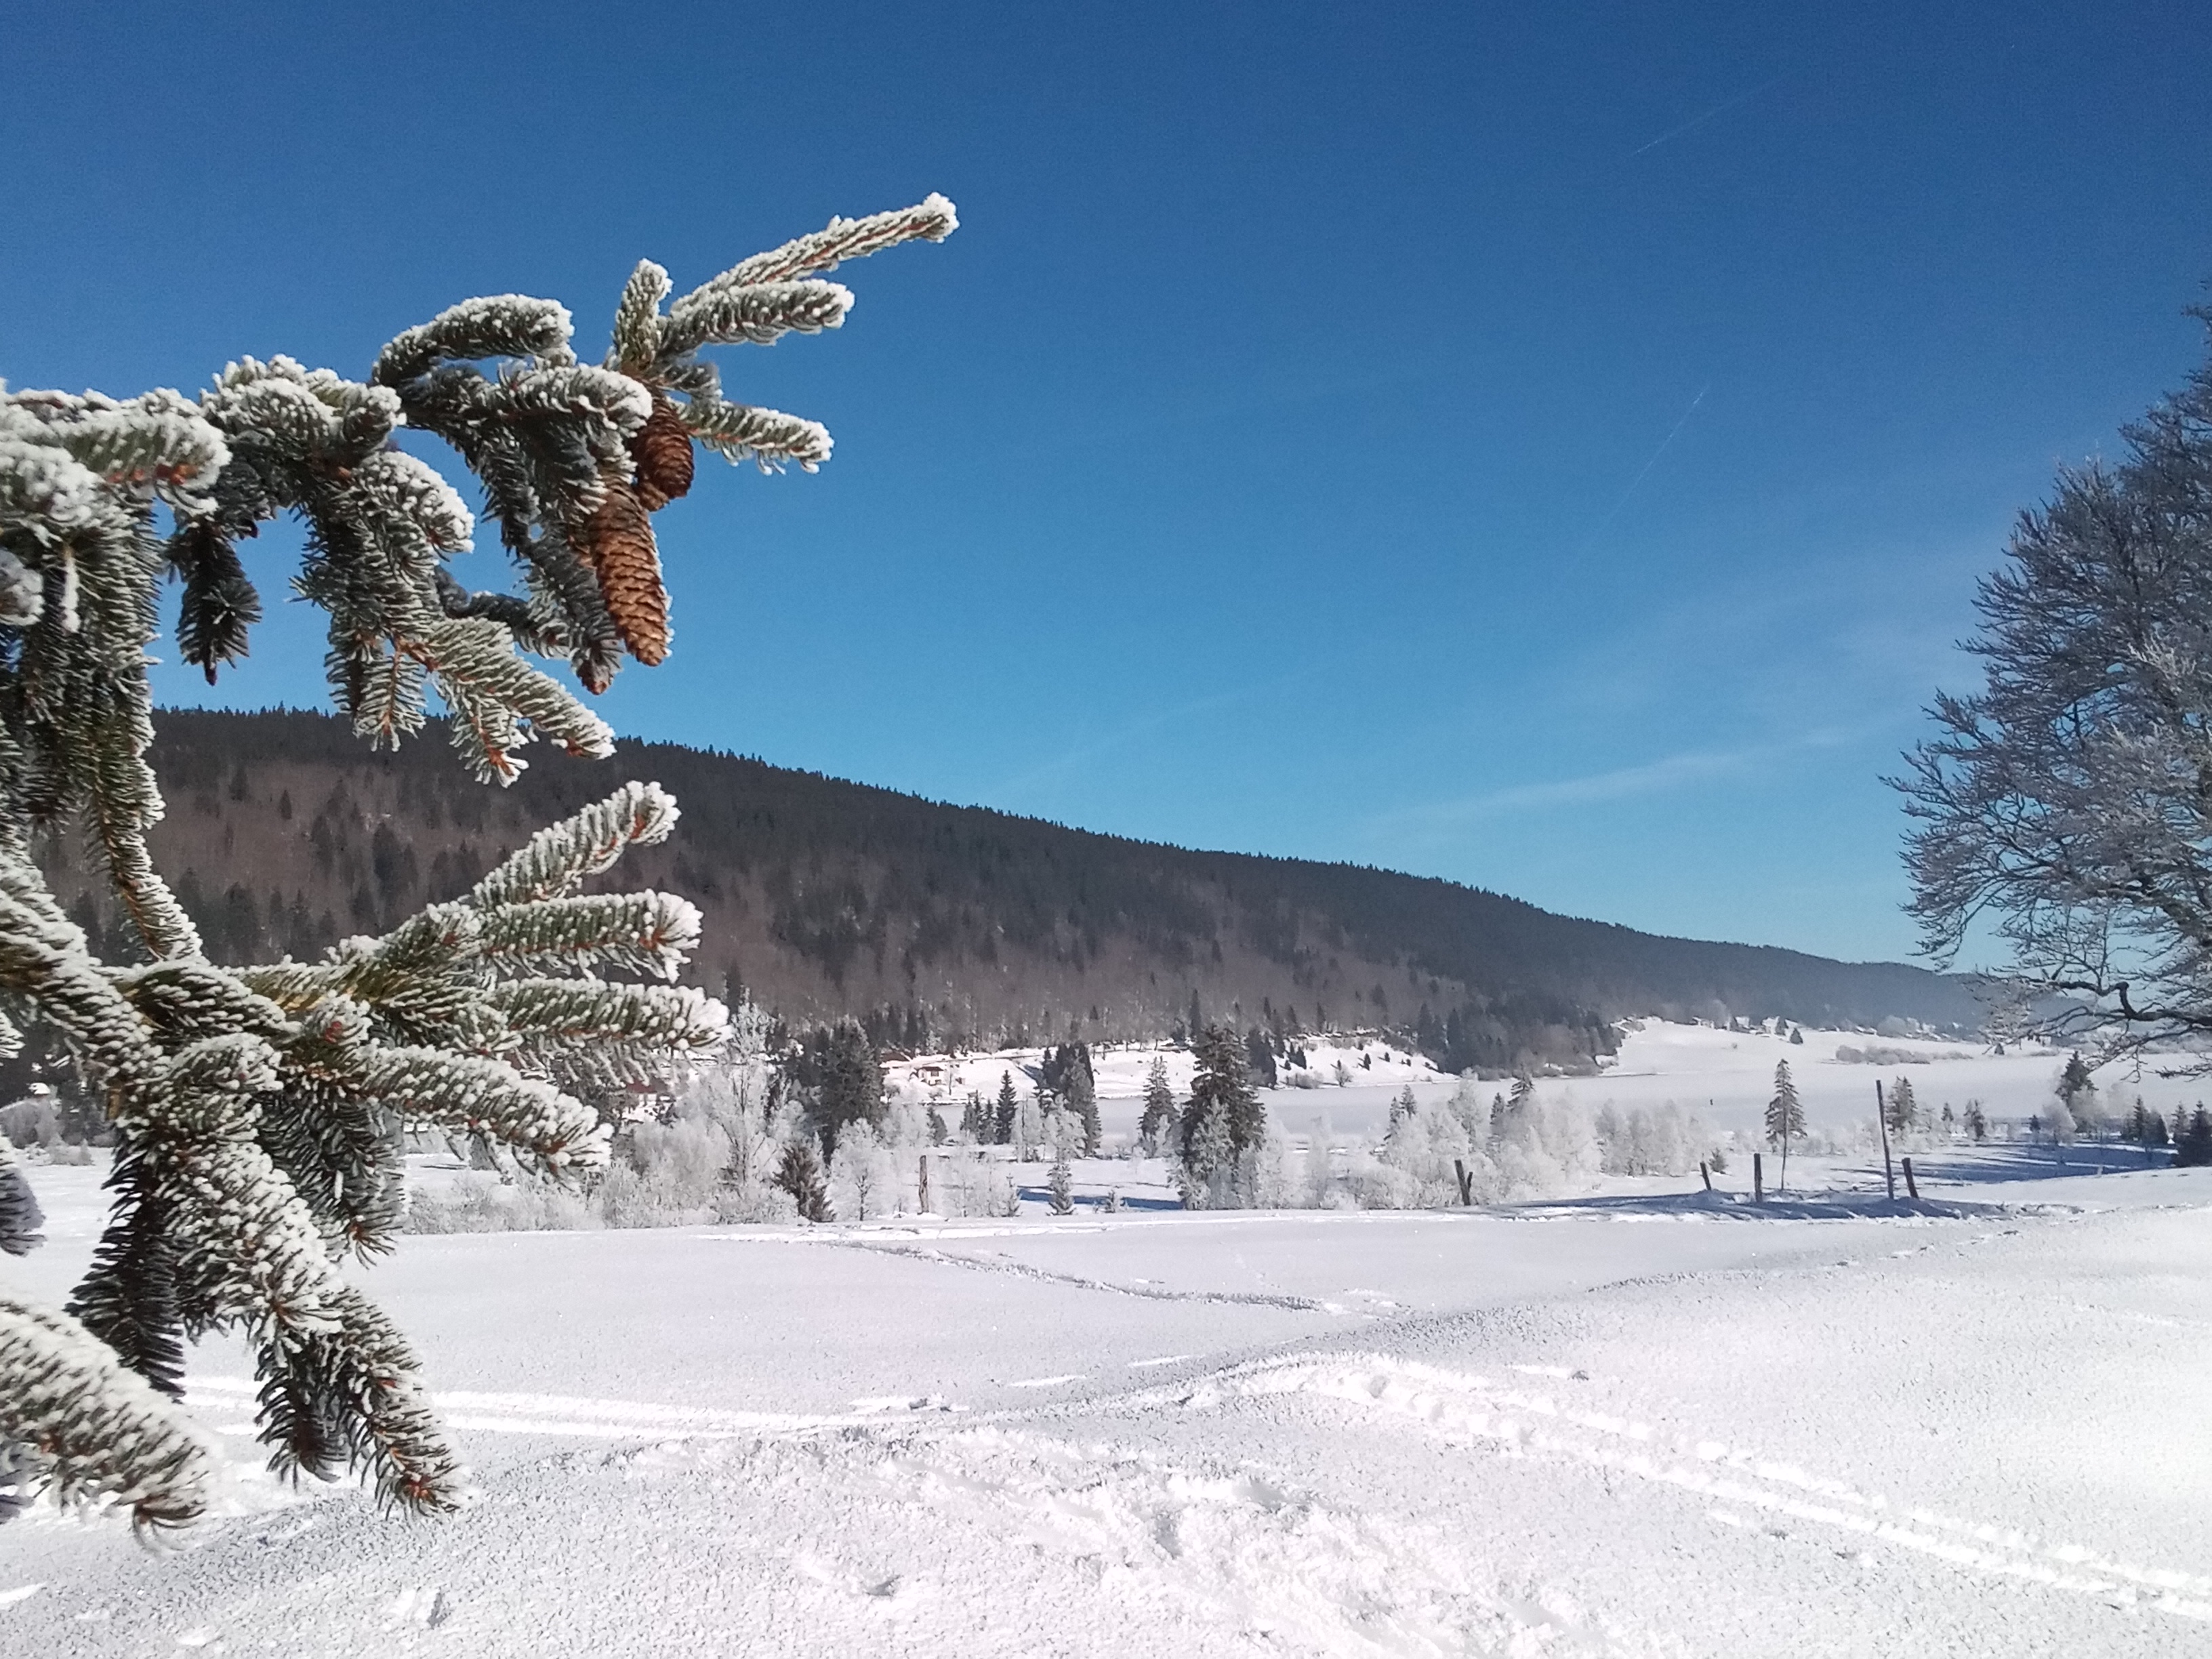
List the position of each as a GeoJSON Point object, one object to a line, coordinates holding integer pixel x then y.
{"type": "Point", "coordinates": [1548, 447]}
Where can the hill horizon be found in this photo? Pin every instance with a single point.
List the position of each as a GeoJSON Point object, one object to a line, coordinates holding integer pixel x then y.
{"type": "Point", "coordinates": [936, 923]}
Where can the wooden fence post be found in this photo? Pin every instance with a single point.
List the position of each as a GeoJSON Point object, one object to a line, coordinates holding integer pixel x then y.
{"type": "Point", "coordinates": [1910, 1185]}
{"type": "Point", "coordinates": [1465, 1182]}
{"type": "Point", "coordinates": [1706, 1170]}
{"type": "Point", "coordinates": [922, 1195]}
{"type": "Point", "coordinates": [1881, 1122]}
{"type": "Point", "coordinates": [1758, 1179]}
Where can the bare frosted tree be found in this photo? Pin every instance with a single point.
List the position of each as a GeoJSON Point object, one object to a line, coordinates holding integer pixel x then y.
{"type": "Point", "coordinates": [2067, 806]}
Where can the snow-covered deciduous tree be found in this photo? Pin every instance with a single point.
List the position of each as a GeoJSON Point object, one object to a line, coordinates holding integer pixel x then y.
{"type": "Point", "coordinates": [862, 1181]}
{"type": "Point", "coordinates": [257, 1111]}
{"type": "Point", "coordinates": [2065, 803]}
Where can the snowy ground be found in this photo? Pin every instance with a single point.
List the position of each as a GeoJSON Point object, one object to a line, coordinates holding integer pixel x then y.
{"type": "Point", "coordinates": [1642, 1423]}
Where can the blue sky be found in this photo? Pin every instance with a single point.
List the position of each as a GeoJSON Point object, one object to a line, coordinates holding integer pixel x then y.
{"type": "Point", "coordinates": [1551, 447]}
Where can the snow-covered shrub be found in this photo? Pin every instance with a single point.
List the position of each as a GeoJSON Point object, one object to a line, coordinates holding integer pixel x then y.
{"type": "Point", "coordinates": [1544, 1148]}
{"type": "Point", "coordinates": [1429, 1143]}
{"type": "Point", "coordinates": [483, 1204]}
{"type": "Point", "coordinates": [1666, 1140]}
{"type": "Point", "coordinates": [665, 1175]}
{"type": "Point", "coordinates": [965, 1181]}
{"type": "Point", "coordinates": [863, 1184]}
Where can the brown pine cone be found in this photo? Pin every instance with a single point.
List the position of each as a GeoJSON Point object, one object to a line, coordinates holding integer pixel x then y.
{"type": "Point", "coordinates": [618, 541]}
{"type": "Point", "coordinates": [662, 451]}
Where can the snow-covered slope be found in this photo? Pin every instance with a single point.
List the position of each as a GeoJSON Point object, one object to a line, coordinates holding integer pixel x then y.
{"type": "Point", "coordinates": [1649, 1430]}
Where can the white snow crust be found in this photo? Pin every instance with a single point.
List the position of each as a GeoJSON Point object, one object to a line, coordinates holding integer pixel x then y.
{"type": "Point", "coordinates": [1638, 1421]}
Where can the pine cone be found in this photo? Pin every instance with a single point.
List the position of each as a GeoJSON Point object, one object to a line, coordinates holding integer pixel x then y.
{"type": "Point", "coordinates": [662, 451]}
{"type": "Point", "coordinates": [617, 539]}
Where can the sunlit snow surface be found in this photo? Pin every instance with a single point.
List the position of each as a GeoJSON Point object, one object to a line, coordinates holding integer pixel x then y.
{"type": "Point", "coordinates": [1641, 1422]}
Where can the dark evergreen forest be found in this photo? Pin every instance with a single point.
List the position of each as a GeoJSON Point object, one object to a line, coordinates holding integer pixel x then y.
{"type": "Point", "coordinates": [938, 924]}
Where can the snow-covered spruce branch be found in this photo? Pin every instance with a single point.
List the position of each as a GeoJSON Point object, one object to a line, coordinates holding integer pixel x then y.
{"type": "Point", "coordinates": [81, 1427]}
{"type": "Point", "coordinates": [255, 1110]}
{"type": "Point", "coordinates": [641, 933]}
{"type": "Point", "coordinates": [557, 860]}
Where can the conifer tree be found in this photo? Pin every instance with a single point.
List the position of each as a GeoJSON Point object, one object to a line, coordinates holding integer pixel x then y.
{"type": "Point", "coordinates": [1060, 1184]}
{"type": "Point", "coordinates": [1260, 1058]}
{"type": "Point", "coordinates": [256, 1111]}
{"type": "Point", "coordinates": [1785, 1118]}
{"type": "Point", "coordinates": [1008, 1108]}
{"type": "Point", "coordinates": [2192, 1146]}
{"type": "Point", "coordinates": [2076, 1090]}
{"type": "Point", "coordinates": [1904, 1111]}
{"type": "Point", "coordinates": [1159, 1108]}
{"type": "Point", "coordinates": [1224, 1108]}
{"type": "Point", "coordinates": [850, 1086]}
{"type": "Point", "coordinates": [799, 1174]}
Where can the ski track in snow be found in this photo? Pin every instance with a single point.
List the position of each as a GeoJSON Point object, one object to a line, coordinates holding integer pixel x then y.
{"type": "Point", "coordinates": [1151, 1292]}
{"type": "Point", "coordinates": [1469, 1410]}
{"type": "Point", "coordinates": [567, 1415]}
{"type": "Point", "coordinates": [1460, 1408]}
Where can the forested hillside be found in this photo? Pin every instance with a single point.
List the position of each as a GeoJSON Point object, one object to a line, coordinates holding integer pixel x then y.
{"type": "Point", "coordinates": [944, 924]}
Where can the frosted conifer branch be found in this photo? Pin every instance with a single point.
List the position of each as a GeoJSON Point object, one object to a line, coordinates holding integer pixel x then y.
{"type": "Point", "coordinates": [496, 326]}
{"type": "Point", "coordinates": [490, 687]}
{"type": "Point", "coordinates": [347, 1399]}
{"type": "Point", "coordinates": [637, 320]}
{"type": "Point", "coordinates": [641, 933]}
{"type": "Point", "coordinates": [719, 314]}
{"type": "Point", "coordinates": [556, 859]}
{"type": "Point", "coordinates": [764, 435]}
{"type": "Point", "coordinates": [675, 1020]}
{"type": "Point", "coordinates": [462, 1092]}
{"type": "Point", "coordinates": [20, 1215]}
{"type": "Point", "coordinates": [93, 1430]}
{"type": "Point", "coordinates": [254, 1109]}
{"type": "Point", "coordinates": [932, 220]}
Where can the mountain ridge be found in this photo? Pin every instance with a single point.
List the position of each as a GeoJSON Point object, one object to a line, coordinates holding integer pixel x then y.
{"type": "Point", "coordinates": [941, 923]}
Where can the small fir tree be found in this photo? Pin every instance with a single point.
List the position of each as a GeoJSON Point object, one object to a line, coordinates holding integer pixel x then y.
{"type": "Point", "coordinates": [1785, 1118]}
{"type": "Point", "coordinates": [1159, 1108]}
{"type": "Point", "coordinates": [1904, 1111]}
{"type": "Point", "coordinates": [1060, 1185]}
{"type": "Point", "coordinates": [799, 1174]}
{"type": "Point", "coordinates": [1222, 1096]}
{"type": "Point", "coordinates": [1797, 1036]}
{"type": "Point", "coordinates": [2192, 1147]}
{"type": "Point", "coordinates": [1209, 1160]}
{"type": "Point", "coordinates": [939, 1132]}
{"type": "Point", "coordinates": [1009, 1106]}
{"type": "Point", "coordinates": [1260, 1058]}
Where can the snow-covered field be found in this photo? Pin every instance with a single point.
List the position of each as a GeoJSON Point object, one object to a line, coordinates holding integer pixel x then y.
{"type": "Point", "coordinates": [1725, 1077]}
{"type": "Point", "coordinates": [1639, 1422]}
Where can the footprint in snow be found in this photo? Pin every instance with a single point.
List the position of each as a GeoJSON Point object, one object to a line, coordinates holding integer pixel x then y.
{"type": "Point", "coordinates": [424, 1606]}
